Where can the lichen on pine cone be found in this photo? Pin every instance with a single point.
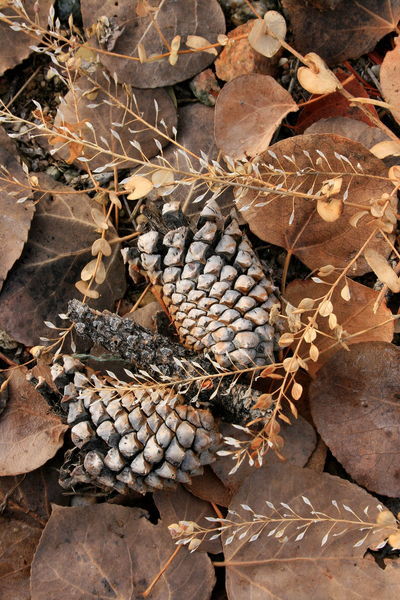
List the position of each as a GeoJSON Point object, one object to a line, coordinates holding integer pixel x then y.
{"type": "Point", "coordinates": [129, 437]}
{"type": "Point", "coordinates": [215, 288]}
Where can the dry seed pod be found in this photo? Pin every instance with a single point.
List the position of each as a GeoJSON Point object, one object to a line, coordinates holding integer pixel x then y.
{"type": "Point", "coordinates": [215, 289]}
{"type": "Point", "coordinates": [144, 440]}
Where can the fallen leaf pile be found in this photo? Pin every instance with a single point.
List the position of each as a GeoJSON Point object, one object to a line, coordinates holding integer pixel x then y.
{"type": "Point", "coordinates": [114, 119]}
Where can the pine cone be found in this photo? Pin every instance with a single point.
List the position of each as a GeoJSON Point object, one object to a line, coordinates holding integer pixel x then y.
{"type": "Point", "coordinates": [215, 289]}
{"type": "Point", "coordinates": [143, 439]}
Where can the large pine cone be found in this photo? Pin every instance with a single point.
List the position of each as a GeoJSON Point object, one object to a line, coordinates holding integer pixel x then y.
{"type": "Point", "coordinates": [215, 289]}
{"type": "Point", "coordinates": [143, 439]}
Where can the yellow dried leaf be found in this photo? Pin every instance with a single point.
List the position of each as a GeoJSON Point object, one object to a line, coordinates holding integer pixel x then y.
{"type": "Point", "coordinates": [137, 186]}
{"type": "Point", "coordinates": [286, 340]}
{"type": "Point", "coordinates": [100, 274]}
{"type": "Point", "coordinates": [296, 391]}
{"type": "Point", "coordinates": [325, 270]}
{"type": "Point", "coordinates": [101, 245]}
{"type": "Point", "coordinates": [382, 269]}
{"type": "Point", "coordinates": [197, 41]}
{"type": "Point", "coordinates": [34, 181]}
{"type": "Point", "coordinates": [386, 148]}
{"type": "Point", "coordinates": [82, 286]}
{"type": "Point", "coordinates": [325, 308]}
{"type": "Point", "coordinates": [291, 365]}
{"type": "Point", "coordinates": [99, 219]}
{"type": "Point", "coordinates": [310, 335]}
{"type": "Point", "coordinates": [314, 353]}
{"type": "Point", "coordinates": [306, 303]}
{"type": "Point", "coordinates": [175, 45]}
{"type": "Point", "coordinates": [330, 209]}
{"type": "Point", "coordinates": [385, 517]}
{"type": "Point", "coordinates": [142, 53]}
{"type": "Point", "coordinates": [332, 321]}
{"type": "Point", "coordinates": [357, 216]}
{"type": "Point", "coordinates": [317, 78]}
{"type": "Point", "coordinates": [345, 293]}
{"type": "Point", "coordinates": [89, 270]}
{"type": "Point", "coordinates": [261, 37]}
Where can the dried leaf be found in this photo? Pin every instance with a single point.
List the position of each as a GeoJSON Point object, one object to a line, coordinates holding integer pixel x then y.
{"type": "Point", "coordinates": [316, 242]}
{"type": "Point", "coordinates": [76, 106]}
{"type": "Point", "coordinates": [125, 566]}
{"type": "Point", "coordinates": [386, 148]}
{"type": "Point", "coordinates": [194, 17]}
{"type": "Point", "coordinates": [317, 78]}
{"type": "Point", "coordinates": [15, 45]}
{"type": "Point", "coordinates": [101, 245]}
{"type": "Point", "coordinates": [259, 37]}
{"type": "Point", "coordinates": [138, 186]}
{"type": "Point", "coordinates": [181, 505]}
{"type": "Point", "coordinates": [390, 76]}
{"type": "Point", "coordinates": [16, 216]}
{"type": "Point", "coordinates": [197, 41]}
{"type": "Point", "coordinates": [29, 434]}
{"type": "Point", "coordinates": [355, 406]}
{"type": "Point", "coordinates": [353, 28]}
{"type": "Point", "coordinates": [247, 112]}
{"type": "Point", "coordinates": [279, 566]}
{"type": "Point", "coordinates": [382, 269]}
{"type": "Point", "coordinates": [18, 542]}
{"type": "Point", "coordinates": [239, 58]}
{"type": "Point", "coordinates": [356, 316]}
{"type": "Point", "coordinates": [59, 245]}
{"type": "Point", "coordinates": [354, 129]}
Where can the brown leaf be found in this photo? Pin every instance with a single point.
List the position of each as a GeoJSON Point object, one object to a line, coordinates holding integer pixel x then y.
{"type": "Point", "coordinates": [354, 316]}
{"type": "Point", "coordinates": [278, 566]}
{"type": "Point", "coordinates": [18, 542]}
{"type": "Point", "coordinates": [29, 433]}
{"type": "Point", "coordinates": [247, 112]}
{"type": "Point", "coordinates": [194, 17]}
{"type": "Point", "coordinates": [240, 58]}
{"type": "Point", "coordinates": [43, 281]}
{"type": "Point", "coordinates": [15, 45]}
{"type": "Point", "coordinates": [335, 105]}
{"type": "Point", "coordinates": [210, 488]}
{"type": "Point", "coordinates": [181, 505]}
{"type": "Point", "coordinates": [355, 130]}
{"type": "Point", "coordinates": [300, 440]}
{"type": "Point", "coordinates": [353, 28]}
{"type": "Point", "coordinates": [355, 406]}
{"type": "Point", "coordinates": [77, 107]}
{"type": "Point", "coordinates": [109, 550]}
{"type": "Point", "coordinates": [28, 497]}
{"type": "Point", "coordinates": [16, 217]}
{"type": "Point", "coordinates": [390, 77]}
{"type": "Point", "coordinates": [311, 239]}
{"type": "Point", "coordinates": [195, 133]}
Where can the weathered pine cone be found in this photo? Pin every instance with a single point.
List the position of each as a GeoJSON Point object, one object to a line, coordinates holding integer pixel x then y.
{"type": "Point", "coordinates": [215, 288]}
{"type": "Point", "coordinates": [142, 439]}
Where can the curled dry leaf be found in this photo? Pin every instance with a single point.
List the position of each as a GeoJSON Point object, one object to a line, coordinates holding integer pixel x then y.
{"type": "Point", "coordinates": [247, 112]}
{"type": "Point", "coordinates": [356, 316]}
{"type": "Point", "coordinates": [14, 44]}
{"type": "Point", "coordinates": [59, 246]}
{"type": "Point", "coordinates": [192, 17]}
{"type": "Point", "coordinates": [16, 216]}
{"type": "Point", "coordinates": [294, 562]}
{"type": "Point", "coordinates": [135, 552]}
{"type": "Point", "coordinates": [293, 222]}
{"type": "Point", "coordinates": [239, 58]}
{"type": "Point", "coordinates": [353, 28]}
{"type": "Point", "coordinates": [137, 186]}
{"type": "Point", "coordinates": [264, 33]}
{"type": "Point", "coordinates": [382, 269]}
{"type": "Point", "coordinates": [356, 409]}
{"type": "Point", "coordinates": [29, 433]}
{"type": "Point", "coordinates": [390, 77]}
{"type": "Point", "coordinates": [316, 78]}
{"type": "Point", "coordinates": [113, 127]}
